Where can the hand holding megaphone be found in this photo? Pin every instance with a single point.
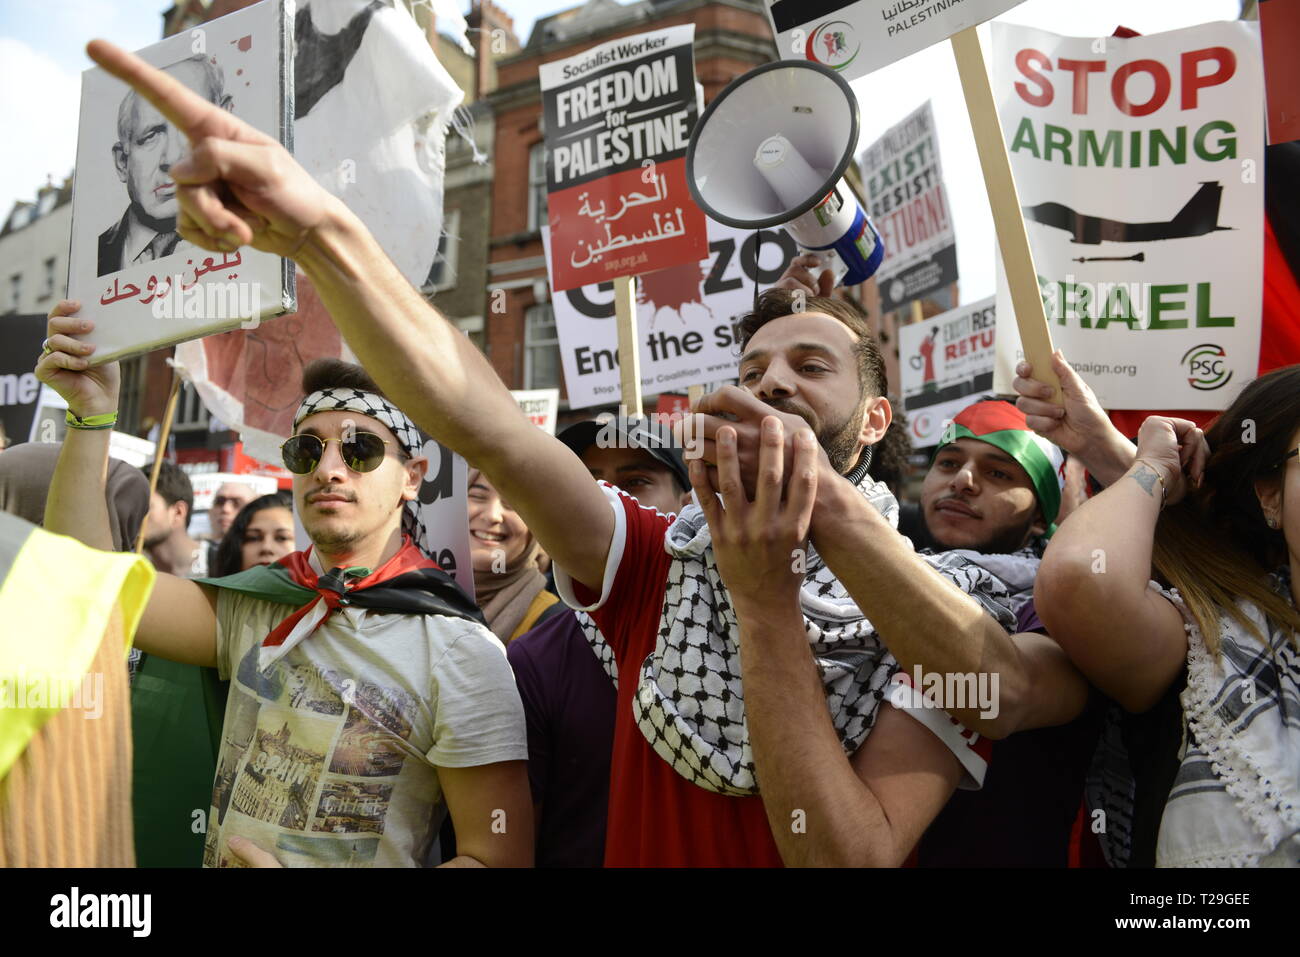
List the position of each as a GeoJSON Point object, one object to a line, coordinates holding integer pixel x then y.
{"type": "Point", "coordinates": [808, 273]}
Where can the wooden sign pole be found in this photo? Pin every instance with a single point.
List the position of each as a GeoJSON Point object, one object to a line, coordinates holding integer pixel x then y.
{"type": "Point", "coordinates": [159, 451]}
{"type": "Point", "coordinates": [629, 353]}
{"type": "Point", "coordinates": [1017, 258]}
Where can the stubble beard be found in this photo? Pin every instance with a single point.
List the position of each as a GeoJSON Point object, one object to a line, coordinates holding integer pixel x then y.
{"type": "Point", "coordinates": [840, 440]}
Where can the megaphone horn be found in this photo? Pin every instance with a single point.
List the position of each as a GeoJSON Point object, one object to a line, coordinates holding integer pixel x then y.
{"type": "Point", "coordinates": [771, 150]}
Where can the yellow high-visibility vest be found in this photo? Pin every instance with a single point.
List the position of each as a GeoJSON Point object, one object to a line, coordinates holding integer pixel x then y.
{"type": "Point", "coordinates": [56, 598]}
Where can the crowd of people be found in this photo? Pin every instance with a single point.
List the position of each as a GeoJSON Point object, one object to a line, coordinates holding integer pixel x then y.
{"type": "Point", "coordinates": [730, 644]}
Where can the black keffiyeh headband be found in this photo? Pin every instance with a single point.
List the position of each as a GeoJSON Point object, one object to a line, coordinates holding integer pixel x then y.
{"type": "Point", "coordinates": [379, 408]}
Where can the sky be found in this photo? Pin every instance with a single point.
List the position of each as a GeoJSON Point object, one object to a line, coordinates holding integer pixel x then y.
{"type": "Point", "coordinates": [42, 55]}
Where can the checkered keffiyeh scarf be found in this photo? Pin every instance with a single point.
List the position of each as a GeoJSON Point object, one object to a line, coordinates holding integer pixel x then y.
{"type": "Point", "coordinates": [1235, 801]}
{"type": "Point", "coordinates": [377, 407]}
{"type": "Point", "coordinates": [690, 701]}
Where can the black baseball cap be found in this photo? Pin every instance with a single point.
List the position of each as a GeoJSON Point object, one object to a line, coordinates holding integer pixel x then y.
{"type": "Point", "coordinates": [635, 432]}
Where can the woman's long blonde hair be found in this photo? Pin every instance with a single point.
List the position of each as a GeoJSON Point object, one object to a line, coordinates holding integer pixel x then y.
{"type": "Point", "coordinates": [1215, 546]}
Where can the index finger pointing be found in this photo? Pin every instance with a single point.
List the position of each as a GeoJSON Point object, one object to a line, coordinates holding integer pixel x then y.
{"type": "Point", "coordinates": [185, 108]}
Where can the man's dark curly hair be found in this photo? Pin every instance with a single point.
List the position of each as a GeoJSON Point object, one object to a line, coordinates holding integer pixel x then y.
{"type": "Point", "coordinates": [776, 303]}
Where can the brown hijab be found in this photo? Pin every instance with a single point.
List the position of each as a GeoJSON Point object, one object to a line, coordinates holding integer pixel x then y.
{"type": "Point", "coordinates": [505, 597]}
{"type": "Point", "coordinates": [25, 474]}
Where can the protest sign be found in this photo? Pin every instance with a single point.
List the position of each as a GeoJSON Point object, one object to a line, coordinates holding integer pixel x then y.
{"type": "Point", "coordinates": [542, 406]}
{"type": "Point", "coordinates": [618, 119]}
{"type": "Point", "coordinates": [1138, 165]}
{"type": "Point", "coordinates": [444, 511]}
{"type": "Point", "coordinates": [21, 338]}
{"type": "Point", "coordinates": [946, 363]}
{"type": "Point", "coordinates": [372, 107]}
{"type": "Point", "coordinates": [909, 206]}
{"type": "Point", "coordinates": [859, 36]}
{"type": "Point", "coordinates": [143, 285]}
{"type": "Point", "coordinates": [687, 317]}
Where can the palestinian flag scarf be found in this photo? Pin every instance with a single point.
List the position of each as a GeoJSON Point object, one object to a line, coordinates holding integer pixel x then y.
{"type": "Point", "coordinates": [408, 583]}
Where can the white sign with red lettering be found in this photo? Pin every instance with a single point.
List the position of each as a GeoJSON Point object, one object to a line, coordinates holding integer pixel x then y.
{"type": "Point", "coordinates": [946, 363]}
{"type": "Point", "coordinates": [1139, 165]}
{"type": "Point", "coordinates": [540, 405]}
{"type": "Point", "coordinates": [909, 206]}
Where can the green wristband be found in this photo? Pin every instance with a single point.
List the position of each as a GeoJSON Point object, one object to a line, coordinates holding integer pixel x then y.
{"type": "Point", "coordinates": [91, 422]}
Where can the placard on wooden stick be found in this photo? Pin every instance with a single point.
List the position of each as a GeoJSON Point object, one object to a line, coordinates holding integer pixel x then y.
{"type": "Point", "coordinates": [629, 355]}
{"type": "Point", "coordinates": [1013, 241]}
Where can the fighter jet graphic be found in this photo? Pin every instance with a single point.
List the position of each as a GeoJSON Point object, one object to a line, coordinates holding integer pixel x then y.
{"type": "Point", "coordinates": [1199, 217]}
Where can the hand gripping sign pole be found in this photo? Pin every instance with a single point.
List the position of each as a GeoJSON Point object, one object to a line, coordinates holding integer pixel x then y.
{"type": "Point", "coordinates": [1013, 241]}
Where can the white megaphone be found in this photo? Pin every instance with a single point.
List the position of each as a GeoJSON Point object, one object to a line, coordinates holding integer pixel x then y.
{"type": "Point", "coordinates": [771, 150]}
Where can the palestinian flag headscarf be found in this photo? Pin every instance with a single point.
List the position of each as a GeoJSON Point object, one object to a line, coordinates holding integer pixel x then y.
{"type": "Point", "coordinates": [1002, 425]}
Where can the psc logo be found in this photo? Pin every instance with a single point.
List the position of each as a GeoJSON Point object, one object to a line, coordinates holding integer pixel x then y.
{"type": "Point", "coordinates": [829, 44]}
{"type": "Point", "coordinates": [1206, 367]}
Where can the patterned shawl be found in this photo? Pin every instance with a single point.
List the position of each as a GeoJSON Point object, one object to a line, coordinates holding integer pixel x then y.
{"type": "Point", "coordinates": [690, 699]}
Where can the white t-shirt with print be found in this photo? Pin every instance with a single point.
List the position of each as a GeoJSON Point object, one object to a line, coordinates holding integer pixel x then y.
{"type": "Point", "coordinates": [330, 758]}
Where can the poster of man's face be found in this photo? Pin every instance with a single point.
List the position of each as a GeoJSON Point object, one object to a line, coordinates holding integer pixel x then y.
{"type": "Point", "coordinates": [146, 147]}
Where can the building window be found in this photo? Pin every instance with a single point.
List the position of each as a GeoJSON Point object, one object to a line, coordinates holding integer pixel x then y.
{"type": "Point", "coordinates": [537, 187]}
{"type": "Point", "coordinates": [131, 395]}
{"type": "Point", "coordinates": [15, 291]}
{"type": "Point", "coordinates": [442, 275]}
{"type": "Point", "coordinates": [191, 414]}
{"type": "Point", "coordinates": [48, 291]}
{"type": "Point", "coordinates": [541, 348]}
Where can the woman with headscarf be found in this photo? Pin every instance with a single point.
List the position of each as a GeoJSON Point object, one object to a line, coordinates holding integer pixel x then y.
{"type": "Point", "coordinates": [508, 582]}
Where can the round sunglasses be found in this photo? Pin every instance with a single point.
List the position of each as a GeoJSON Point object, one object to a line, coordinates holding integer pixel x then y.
{"type": "Point", "coordinates": [361, 451]}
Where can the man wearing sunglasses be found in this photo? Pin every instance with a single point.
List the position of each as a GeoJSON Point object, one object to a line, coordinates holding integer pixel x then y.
{"type": "Point", "coordinates": [366, 695]}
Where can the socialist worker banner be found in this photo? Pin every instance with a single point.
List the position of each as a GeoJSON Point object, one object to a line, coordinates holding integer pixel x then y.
{"type": "Point", "coordinates": [618, 120]}
{"type": "Point", "coordinates": [909, 206]}
{"type": "Point", "coordinates": [1139, 164]}
{"type": "Point", "coordinates": [947, 363]}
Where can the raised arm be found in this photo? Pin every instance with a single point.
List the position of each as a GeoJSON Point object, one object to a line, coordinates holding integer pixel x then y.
{"type": "Point", "coordinates": [824, 808]}
{"type": "Point", "coordinates": [240, 187]}
{"type": "Point", "coordinates": [1092, 588]}
{"type": "Point", "coordinates": [180, 620]}
{"type": "Point", "coordinates": [922, 617]}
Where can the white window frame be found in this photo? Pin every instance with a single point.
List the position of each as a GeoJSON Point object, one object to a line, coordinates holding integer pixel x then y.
{"type": "Point", "coordinates": [191, 414]}
{"type": "Point", "coordinates": [50, 264]}
{"type": "Point", "coordinates": [530, 344]}
{"type": "Point", "coordinates": [448, 252]}
{"type": "Point", "coordinates": [537, 187]}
